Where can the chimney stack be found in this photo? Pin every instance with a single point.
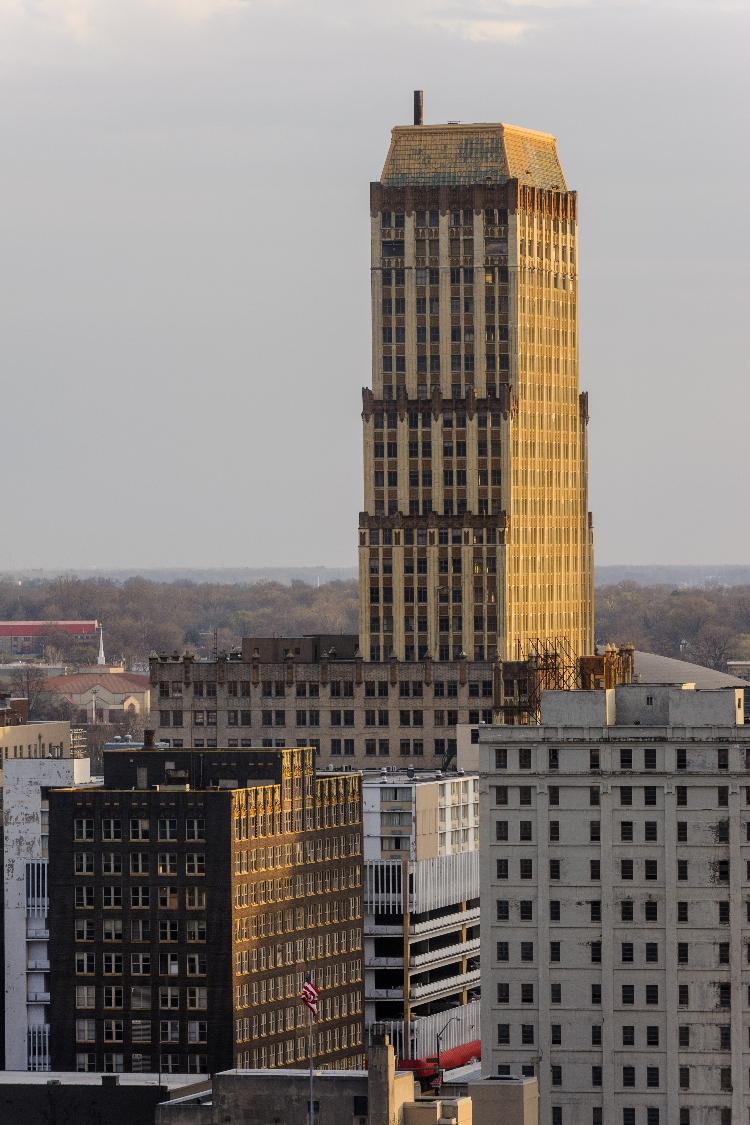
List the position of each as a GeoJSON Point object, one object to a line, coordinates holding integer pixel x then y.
{"type": "Point", "coordinates": [419, 107]}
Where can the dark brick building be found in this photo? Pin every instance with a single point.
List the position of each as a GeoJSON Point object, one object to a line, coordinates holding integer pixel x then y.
{"type": "Point", "coordinates": [188, 897]}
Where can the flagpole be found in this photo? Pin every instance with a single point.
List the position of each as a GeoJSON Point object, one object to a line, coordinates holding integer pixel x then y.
{"type": "Point", "coordinates": [310, 1053]}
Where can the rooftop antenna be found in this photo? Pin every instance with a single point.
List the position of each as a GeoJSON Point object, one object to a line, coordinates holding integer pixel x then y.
{"type": "Point", "coordinates": [419, 107]}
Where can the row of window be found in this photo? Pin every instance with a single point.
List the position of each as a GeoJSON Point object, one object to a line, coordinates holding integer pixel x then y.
{"type": "Point", "coordinates": [651, 1115]}
{"type": "Point", "coordinates": [142, 964]}
{"type": "Point", "coordinates": [651, 994]}
{"type": "Point", "coordinates": [166, 898]}
{"type": "Point", "coordinates": [652, 1076]}
{"type": "Point", "coordinates": [167, 828]}
{"type": "Point", "coordinates": [648, 760]}
{"type": "Point", "coordinates": [458, 363]}
{"type": "Point", "coordinates": [457, 217]}
{"type": "Point", "coordinates": [627, 952]}
{"type": "Point", "coordinates": [140, 863]}
{"type": "Point", "coordinates": [336, 718]}
{"type": "Point", "coordinates": [625, 794]}
{"type": "Point", "coordinates": [169, 930]}
{"type": "Point", "coordinates": [718, 870]}
{"type": "Point", "coordinates": [650, 910]}
{"type": "Point", "coordinates": [140, 1031]}
{"type": "Point", "coordinates": [167, 1062]}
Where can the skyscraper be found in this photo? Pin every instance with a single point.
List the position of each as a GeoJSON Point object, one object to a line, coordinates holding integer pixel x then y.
{"type": "Point", "coordinates": [475, 536]}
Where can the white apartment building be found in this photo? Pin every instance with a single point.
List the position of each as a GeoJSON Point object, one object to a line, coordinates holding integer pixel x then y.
{"type": "Point", "coordinates": [615, 893]}
{"type": "Point", "coordinates": [421, 839]}
{"type": "Point", "coordinates": [26, 782]}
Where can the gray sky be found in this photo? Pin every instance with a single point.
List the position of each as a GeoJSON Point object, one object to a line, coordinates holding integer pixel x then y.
{"type": "Point", "coordinates": [184, 289]}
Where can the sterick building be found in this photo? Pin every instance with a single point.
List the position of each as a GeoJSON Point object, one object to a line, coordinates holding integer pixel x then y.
{"type": "Point", "coordinates": [615, 892]}
{"type": "Point", "coordinates": [189, 895]}
{"type": "Point", "coordinates": [475, 535]}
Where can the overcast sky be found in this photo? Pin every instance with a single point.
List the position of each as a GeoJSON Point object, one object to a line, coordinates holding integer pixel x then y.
{"type": "Point", "coordinates": [184, 285]}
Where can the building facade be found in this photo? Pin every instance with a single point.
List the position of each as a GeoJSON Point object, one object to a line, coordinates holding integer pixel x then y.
{"type": "Point", "coordinates": [188, 897]}
{"type": "Point", "coordinates": [25, 816]}
{"type": "Point", "coordinates": [29, 638]}
{"type": "Point", "coordinates": [421, 852]}
{"type": "Point", "coordinates": [616, 905]}
{"type": "Point", "coordinates": [352, 712]}
{"type": "Point", "coordinates": [475, 536]}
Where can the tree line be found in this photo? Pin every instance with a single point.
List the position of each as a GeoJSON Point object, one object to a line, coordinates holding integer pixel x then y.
{"type": "Point", "coordinates": [708, 625]}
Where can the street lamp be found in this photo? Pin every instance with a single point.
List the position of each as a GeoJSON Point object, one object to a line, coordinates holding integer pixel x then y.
{"type": "Point", "coordinates": [438, 1036]}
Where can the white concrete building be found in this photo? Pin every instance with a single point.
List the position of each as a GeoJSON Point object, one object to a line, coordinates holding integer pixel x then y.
{"type": "Point", "coordinates": [421, 838]}
{"type": "Point", "coordinates": [615, 895]}
{"type": "Point", "coordinates": [26, 782]}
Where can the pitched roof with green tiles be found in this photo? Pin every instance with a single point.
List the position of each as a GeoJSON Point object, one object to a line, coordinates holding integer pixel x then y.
{"type": "Point", "coordinates": [458, 155]}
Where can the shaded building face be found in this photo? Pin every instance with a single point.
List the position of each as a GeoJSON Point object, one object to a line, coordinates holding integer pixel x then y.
{"type": "Point", "coordinates": [189, 896]}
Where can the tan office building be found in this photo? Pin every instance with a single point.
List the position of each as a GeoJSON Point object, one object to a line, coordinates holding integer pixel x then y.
{"type": "Point", "coordinates": [475, 536]}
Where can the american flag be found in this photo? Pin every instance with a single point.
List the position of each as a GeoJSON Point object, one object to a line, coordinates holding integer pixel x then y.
{"type": "Point", "coordinates": [310, 995]}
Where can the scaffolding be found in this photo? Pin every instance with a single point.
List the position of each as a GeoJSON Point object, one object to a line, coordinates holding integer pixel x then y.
{"type": "Point", "coordinates": [549, 664]}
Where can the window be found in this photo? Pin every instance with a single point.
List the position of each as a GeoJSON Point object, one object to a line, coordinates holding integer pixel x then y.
{"type": "Point", "coordinates": [682, 831]}
{"type": "Point", "coordinates": [651, 911]}
{"type": "Point", "coordinates": [681, 794]}
{"type": "Point", "coordinates": [594, 831]}
{"type": "Point", "coordinates": [556, 1075]}
{"type": "Point", "coordinates": [594, 795]}
{"type": "Point", "coordinates": [526, 869]}
{"type": "Point", "coordinates": [554, 910]}
{"type": "Point", "coordinates": [554, 951]}
{"type": "Point", "coordinates": [527, 1033]}
{"type": "Point", "coordinates": [626, 869]}
{"type": "Point", "coordinates": [503, 910]}
{"type": "Point", "coordinates": [626, 795]}
{"type": "Point", "coordinates": [555, 993]}
{"type": "Point", "coordinates": [595, 910]}
{"type": "Point", "coordinates": [503, 1034]}
{"type": "Point", "coordinates": [527, 993]}
{"type": "Point", "coordinates": [501, 830]}
{"type": "Point", "coordinates": [524, 831]}
{"type": "Point", "coordinates": [683, 1034]}
{"type": "Point", "coordinates": [684, 1077]}
{"type": "Point", "coordinates": [554, 831]}
{"type": "Point", "coordinates": [527, 951]}
{"type": "Point", "coordinates": [596, 1035]}
{"type": "Point", "coordinates": [683, 995]}
{"type": "Point", "coordinates": [626, 910]}
{"type": "Point", "coordinates": [594, 869]}
{"type": "Point", "coordinates": [651, 869]}
{"type": "Point", "coordinates": [652, 1036]}
{"type": "Point", "coordinates": [554, 869]}
{"type": "Point", "coordinates": [649, 795]}
{"type": "Point", "coordinates": [596, 952]}
{"type": "Point", "coordinates": [596, 1076]}
{"type": "Point", "coordinates": [502, 951]}
{"type": "Point", "coordinates": [652, 993]}
{"type": "Point", "coordinates": [626, 952]}
{"type": "Point", "coordinates": [682, 869]}
{"type": "Point", "coordinates": [652, 952]}
{"type": "Point", "coordinates": [628, 994]}
{"type": "Point", "coordinates": [503, 992]}
{"type": "Point", "coordinates": [502, 869]}
{"type": "Point", "coordinates": [628, 1035]}
{"type": "Point", "coordinates": [596, 993]}
{"type": "Point", "coordinates": [556, 1034]}
{"type": "Point", "coordinates": [628, 1076]}
{"type": "Point", "coordinates": [594, 763]}
{"type": "Point", "coordinates": [650, 832]}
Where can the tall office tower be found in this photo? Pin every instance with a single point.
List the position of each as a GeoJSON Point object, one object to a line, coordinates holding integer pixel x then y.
{"type": "Point", "coordinates": [475, 535]}
{"type": "Point", "coordinates": [615, 890]}
{"type": "Point", "coordinates": [189, 895]}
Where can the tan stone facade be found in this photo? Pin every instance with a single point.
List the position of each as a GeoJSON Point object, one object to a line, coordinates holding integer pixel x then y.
{"type": "Point", "coordinates": [475, 536]}
{"type": "Point", "coordinates": [354, 712]}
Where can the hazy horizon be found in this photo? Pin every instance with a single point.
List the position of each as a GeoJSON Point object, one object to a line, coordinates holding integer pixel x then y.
{"type": "Point", "coordinates": [184, 351]}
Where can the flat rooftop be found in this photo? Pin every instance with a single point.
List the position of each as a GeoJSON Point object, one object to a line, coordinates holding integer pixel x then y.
{"type": "Point", "coordinates": [94, 1078]}
{"type": "Point", "coordinates": [416, 777]}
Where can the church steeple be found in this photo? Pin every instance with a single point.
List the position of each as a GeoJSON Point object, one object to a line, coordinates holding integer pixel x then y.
{"type": "Point", "coordinates": [100, 658]}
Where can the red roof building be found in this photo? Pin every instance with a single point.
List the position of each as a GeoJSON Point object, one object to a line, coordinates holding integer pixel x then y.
{"type": "Point", "coordinates": [26, 638]}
